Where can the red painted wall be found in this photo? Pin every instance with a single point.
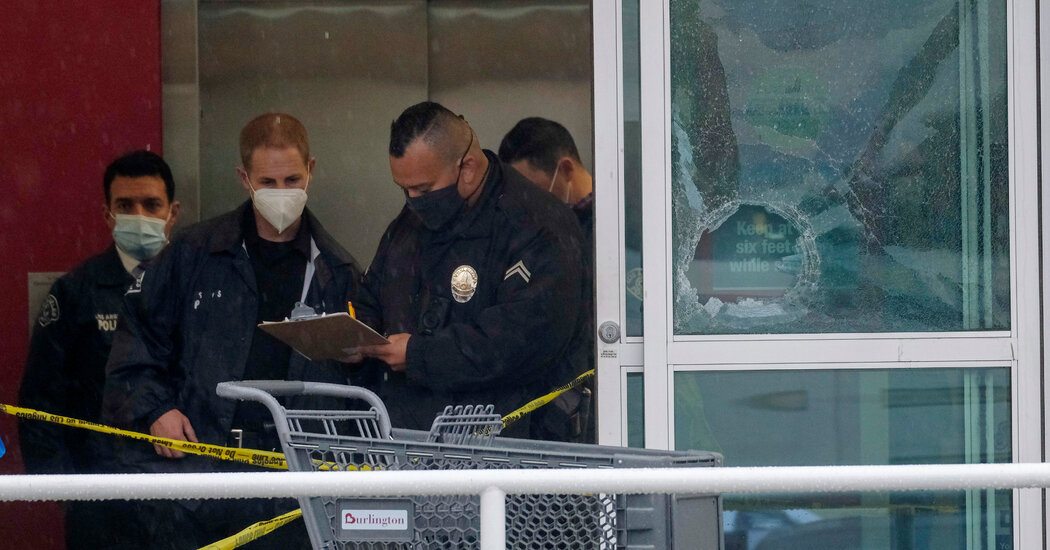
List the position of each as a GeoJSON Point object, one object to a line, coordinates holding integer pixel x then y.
{"type": "Point", "coordinates": [79, 85]}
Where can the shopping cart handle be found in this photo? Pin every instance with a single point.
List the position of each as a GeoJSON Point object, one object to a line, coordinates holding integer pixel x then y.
{"type": "Point", "coordinates": [276, 388]}
{"type": "Point", "coordinates": [264, 391]}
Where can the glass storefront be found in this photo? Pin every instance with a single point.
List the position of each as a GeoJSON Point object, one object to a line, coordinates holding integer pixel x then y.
{"type": "Point", "coordinates": [839, 167]}
{"type": "Point", "coordinates": [842, 417]}
{"type": "Point", "coordinates": [635, 410]}
{"type": "Point", "coordinates": [837, 172]}
{"type": "Point", "coordinates": [845, 417]}
{"type": "Point", "coordinates": [632, 168]}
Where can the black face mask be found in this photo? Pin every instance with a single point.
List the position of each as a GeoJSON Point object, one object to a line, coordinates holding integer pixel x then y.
{"type": "Point", "coordinates": [436, 209]}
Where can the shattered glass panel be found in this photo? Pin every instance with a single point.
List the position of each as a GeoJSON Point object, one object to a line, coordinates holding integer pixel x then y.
{"type": "Point", "coordinates": [840, 167]}
{"type": "Point", "coordinates": [848, 417]}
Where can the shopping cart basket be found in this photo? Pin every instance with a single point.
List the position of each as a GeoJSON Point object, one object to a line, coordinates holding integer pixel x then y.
{"type": "Point", "coordinates": [463, 438]}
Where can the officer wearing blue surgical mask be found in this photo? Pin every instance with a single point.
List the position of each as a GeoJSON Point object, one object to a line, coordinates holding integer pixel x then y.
{"type": "Point", "coordinates": [71, 342]}
{"type": "Point", "coordinates": [140, 213]}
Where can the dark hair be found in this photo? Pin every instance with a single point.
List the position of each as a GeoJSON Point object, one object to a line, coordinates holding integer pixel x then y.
{"type": "Point", "coordinates": [539, 141]}
{"type": "Point", "coordinates": [429, 120]}
{"type": "Point", "coordinates": [138, 164]}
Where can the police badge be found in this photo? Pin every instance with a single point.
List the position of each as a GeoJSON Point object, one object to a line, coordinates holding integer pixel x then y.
{"type": "Point", "coordinates": [464, 282]}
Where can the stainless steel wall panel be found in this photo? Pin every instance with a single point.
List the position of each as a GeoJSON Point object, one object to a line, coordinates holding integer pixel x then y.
{"type": "Point", "coordinates": [498, 62]}
{"type": "Point", "coordinates": [345, 69]}
{"type": "Point", "coordinates": [180, 103]}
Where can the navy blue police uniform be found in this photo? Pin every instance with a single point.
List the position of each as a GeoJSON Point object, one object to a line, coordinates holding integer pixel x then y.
{"type": "Point", "coordinates": [64, 375]}
{"type": "Point", "coordinates": [192, 324]}
{"type": "Point", "coordinates": [494, 304]}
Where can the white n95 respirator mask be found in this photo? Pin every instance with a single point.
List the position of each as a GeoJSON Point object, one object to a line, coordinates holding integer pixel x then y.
{"type": "Point", "coordinates": [280, 207]}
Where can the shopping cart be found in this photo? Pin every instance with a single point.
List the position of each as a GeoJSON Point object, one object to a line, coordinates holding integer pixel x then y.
{"type": "Point", "coordinates": [464, 438]}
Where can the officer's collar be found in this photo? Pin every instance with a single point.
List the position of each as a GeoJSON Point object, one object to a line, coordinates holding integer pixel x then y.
{"type": "Point", "coordinates": [111, 271]}
{"type": "Point", "coordinates": [476, 221]}
{"type": "Point", "coordinates": [227, 237]}
{"type": "Point", "coordinates": [226, 234]}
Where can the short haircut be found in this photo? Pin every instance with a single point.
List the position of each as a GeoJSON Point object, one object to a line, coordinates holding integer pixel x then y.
{"type": "Point", "coordinates": [273, 131]}
{"type": "Point", "coordinates": [439, 128]}
{"type": "Point", "coordinates": [138, 164]}
{"type": "Point", "coordinates": [539, 141]}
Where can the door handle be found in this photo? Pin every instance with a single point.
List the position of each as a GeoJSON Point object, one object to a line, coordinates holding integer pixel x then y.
{"type": "Point", "coordinates": [609, 332]}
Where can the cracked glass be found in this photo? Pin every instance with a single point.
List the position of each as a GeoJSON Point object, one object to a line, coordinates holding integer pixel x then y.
{"type": "Point", "coordinates": [839, 167]}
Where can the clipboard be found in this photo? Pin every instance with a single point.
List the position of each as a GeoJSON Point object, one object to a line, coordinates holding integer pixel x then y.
{"type": "Point", "coordinates": [319, 337]}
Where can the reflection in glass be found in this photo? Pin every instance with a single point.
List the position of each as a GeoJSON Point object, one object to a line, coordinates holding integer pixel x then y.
{"type": "Point", "coordinates": [840, 417]}
{"type": "Point", "coordinates": [635, 410]}
{"type": "Point", "coordinates": [632, 168]}
{"type": "Point", "coordinates": [839, 167]}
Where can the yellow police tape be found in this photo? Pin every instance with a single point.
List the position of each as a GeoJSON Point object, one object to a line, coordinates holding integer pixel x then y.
{"type": "Point", "coordinates": [541, 401]}
{"type": "Point", "coordinates": [264, 527]}
{"type": "Point", "coordinates": [250, 456]}
{"type": "Point", "coordinates": [266, 459]}
{"type": "Point", "coordinates": [253, 532]}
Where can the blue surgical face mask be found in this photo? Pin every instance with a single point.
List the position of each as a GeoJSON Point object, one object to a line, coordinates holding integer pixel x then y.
{"type": "Point", "coordinates": [141, 237]}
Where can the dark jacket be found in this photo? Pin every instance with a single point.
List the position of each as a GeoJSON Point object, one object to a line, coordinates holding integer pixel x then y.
{"type": "Point", "coordinates": [190, 327]}
{"type": "Point", "coordinates": [66, 367]}
{"type": "Point", "coordinates": [515, 338]}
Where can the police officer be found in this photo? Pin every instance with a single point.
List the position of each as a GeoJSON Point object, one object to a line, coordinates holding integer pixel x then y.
{"type": "Point", "coordinates": [194, 321]}
{"type": "Point", "coordinates": [71, 341]}
{"type": "Point", "coordinates": [545, 153]}
{"type": "Point", "coordinates": [477, 281]}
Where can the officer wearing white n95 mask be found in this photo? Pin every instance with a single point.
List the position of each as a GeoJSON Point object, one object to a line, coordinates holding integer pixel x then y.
{"type": "Point", "coordinates": [71, 342]}
{"type": "Point", "coordinates": [194, 324]}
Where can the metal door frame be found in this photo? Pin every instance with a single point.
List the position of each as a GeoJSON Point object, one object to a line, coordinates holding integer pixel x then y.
{"type": "Point", "coordinates": [663, 353]}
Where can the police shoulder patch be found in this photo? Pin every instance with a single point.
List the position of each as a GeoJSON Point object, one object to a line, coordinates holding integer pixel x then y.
{"type": "Point", "coordinates": [49, 312]}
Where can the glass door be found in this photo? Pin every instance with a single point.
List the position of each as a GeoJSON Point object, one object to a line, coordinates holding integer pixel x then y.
{"type": "Point", "coordinates": [837, 213]}
{"type": "Point", "coordinates": [618, 229]}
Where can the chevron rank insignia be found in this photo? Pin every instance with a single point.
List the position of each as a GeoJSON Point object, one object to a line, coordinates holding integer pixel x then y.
{"type": "Point", "coordinates": [518, 269]}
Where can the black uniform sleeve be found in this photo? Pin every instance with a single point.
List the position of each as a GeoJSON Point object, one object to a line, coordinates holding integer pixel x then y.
{"type": "Point", "coordinates": [45, 386]}
{"type": "Point", "coordinates": [367, 308]}
{"type": "Point", "coordinates": [518, 338]}
{"type": "Point", "coordinates": [141, 375]}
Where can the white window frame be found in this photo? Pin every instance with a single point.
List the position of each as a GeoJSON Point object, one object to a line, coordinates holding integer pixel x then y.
{"type": "Point", "coordinates": [664, 353]}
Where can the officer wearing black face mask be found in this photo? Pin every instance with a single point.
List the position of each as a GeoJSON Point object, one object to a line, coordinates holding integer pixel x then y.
{"type": "Point", "coordinates": [477, 282]}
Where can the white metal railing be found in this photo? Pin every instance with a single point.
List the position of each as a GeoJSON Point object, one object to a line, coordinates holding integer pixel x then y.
{"type": "Point", "coordinates": [493, 485]}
